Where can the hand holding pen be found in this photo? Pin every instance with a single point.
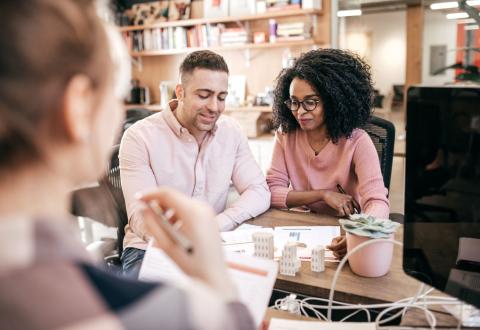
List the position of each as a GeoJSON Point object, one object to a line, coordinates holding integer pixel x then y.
{"type": "Point", "coordinates": [190, 237]}
{"type": "Point", "coordinates": [354, 204]}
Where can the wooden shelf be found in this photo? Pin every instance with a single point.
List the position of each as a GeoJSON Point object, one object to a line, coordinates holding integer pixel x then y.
{"type": "Point", "coordinates": [158, 107]}
{"type": "Point", "coordinates": [293, 43]}
{"type": "Point", "coordinates": [151, 107]}
{"type": "Point", "coordinates": [199, 21]}
{"type": "Point", "coordinates": [250, 109]}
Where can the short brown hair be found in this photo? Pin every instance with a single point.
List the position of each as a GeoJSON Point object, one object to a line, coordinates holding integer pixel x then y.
{"type": "Point", "coordinates": [44, 43]}
{"type": "Point", "coordinates": [202, 59]}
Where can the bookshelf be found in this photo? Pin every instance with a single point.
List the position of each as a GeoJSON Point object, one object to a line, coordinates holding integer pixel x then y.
{"type": "Point", "coordinates": [282, 44]}
{"type": "Point", "coordinates": [260, 63]}
{"type": "Point", "coordinates": [217, 20]}
{"type": "Point", "coordinates": [158, 107]}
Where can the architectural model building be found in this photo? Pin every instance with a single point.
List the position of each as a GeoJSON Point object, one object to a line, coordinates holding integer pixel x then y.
{"type": "Point", "coordinates": [318, 259]}
{"type": "Point", "coordinates": [263, 245]}
{"type": "Point", "coordinates": [289, 263]}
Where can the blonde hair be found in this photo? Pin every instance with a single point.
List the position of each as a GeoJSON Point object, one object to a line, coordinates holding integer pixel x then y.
{"type": "Point", "coordinates": [44, 44]}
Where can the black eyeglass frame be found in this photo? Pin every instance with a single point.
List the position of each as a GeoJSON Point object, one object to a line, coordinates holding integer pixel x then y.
{"type": "Point", "coordinates": [288, 103]}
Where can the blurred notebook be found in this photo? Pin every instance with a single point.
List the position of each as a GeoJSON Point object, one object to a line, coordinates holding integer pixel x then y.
{"type": "Point", "coordinates": [254, 277]}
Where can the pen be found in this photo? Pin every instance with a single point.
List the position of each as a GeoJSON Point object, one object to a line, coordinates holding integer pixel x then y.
{"type": "Point", "coordinates": [176, 236]}
{"type": "Point", "coordinates": [340, 190]}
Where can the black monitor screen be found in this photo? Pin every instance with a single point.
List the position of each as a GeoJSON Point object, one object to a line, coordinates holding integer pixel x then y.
{"type": "Point", "coordinates": [442, 189]}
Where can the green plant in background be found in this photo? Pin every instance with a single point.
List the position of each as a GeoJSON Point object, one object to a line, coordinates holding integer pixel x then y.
{"type": "Point", "coordinates": [369, 226]}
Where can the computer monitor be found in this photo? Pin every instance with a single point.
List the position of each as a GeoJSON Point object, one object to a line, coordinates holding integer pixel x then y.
{"type": "Point", "coordinates": [442, 189]}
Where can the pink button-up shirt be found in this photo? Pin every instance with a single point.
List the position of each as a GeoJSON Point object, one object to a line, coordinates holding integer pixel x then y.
{"type": "Point", "coordinates": [158, 151]}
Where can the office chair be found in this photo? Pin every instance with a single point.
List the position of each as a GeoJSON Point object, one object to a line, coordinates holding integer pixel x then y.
{"type": "Point", "coordinates": [382, 133]}
{"type": "Point", "coordinates": [105, 203]}
{"type": "Point", "coordinates": [398, 95]}
{"type": "Point", "coordinates": [132, 116]}
{"type": "Point", "coordinates": [113, 183]}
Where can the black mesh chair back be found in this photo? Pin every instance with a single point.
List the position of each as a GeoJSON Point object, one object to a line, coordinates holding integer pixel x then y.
{"type": "Point", "coordinates": [382, 133]}
{"type": "Point", "coordinates": [113, 183]}
{"type": "Point", "coordinates": [132, 116]}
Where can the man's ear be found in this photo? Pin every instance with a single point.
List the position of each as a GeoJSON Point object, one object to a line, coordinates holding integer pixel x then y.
{"type": "Point", "coordinates": [77, 108]}
{"type": "Point", "coordinates": [180, 92]}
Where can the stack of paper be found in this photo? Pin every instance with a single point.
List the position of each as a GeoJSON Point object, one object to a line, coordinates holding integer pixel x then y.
{"type": "Point", "coordinates": [307, 237]}
{"type": "Point", "coordinates": [282, 324]}
{"type": "Point", "coordinates": [254, 277]}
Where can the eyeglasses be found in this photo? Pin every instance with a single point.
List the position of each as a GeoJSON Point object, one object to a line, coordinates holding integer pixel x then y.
{"type": "Point", "coordinates": [307, 105]}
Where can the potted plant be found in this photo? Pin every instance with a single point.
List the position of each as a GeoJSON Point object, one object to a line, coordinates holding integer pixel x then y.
{"type": "Point", "coordinates": [375, 259]}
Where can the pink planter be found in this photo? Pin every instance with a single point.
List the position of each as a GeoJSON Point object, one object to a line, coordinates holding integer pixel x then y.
{"type": "Point", "coordinates": [371, 261]}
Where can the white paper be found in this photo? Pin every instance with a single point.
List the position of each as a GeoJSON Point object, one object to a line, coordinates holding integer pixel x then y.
{"type": "Point", "coordinates": [254, 277]}
{"type": "Point", "coordinates": [283, 324]}
{"type": "Point", "coordinates": [241, 239]}
{"type": "Point", "coordinates": [310, 236]}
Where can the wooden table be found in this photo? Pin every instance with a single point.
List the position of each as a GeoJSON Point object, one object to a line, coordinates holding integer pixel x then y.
{"type": "Point", "coordinates": [350, 288]}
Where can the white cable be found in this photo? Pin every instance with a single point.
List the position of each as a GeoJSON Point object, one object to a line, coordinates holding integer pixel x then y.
{"type": "Point", "coordinates": [344, 260]}
{"type": "Point", "coordinates": [356, 312]}
{"type": "Point", "coordinates": [409, 303]}
{"type": "Point", "coordinates": [431, 319]}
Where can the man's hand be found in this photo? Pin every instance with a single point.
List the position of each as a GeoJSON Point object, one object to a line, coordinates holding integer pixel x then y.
{"type": "Point", "coordinates": [338, 247]}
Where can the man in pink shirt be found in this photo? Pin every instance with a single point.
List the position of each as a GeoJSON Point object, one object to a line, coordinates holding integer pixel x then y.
{"type": "Point", "coordinates": [191, 148]}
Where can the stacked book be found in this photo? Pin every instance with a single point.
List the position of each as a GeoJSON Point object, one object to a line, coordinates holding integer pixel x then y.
{"type": "Point", "coordinates": [233, 36]}
{"type": "Point", "coordinates": [203, 36]}
{"type": "Point", "coordinates": [293, 31]}
{"type": "Point", "coordinates": [173, 38]}
{"type": "Point", "coordinates": [280, 5]}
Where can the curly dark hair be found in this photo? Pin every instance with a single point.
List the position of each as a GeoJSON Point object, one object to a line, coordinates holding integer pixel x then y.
{"type": "Point", "coordinates": [342, 80]}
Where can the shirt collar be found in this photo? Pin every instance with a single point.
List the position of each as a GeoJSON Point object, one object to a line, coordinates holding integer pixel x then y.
{"type": "Point", "coordinates": [173, 122]}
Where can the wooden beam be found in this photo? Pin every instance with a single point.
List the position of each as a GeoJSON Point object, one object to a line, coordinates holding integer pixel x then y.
{"type": "Point", "coordinates": [414, 45]}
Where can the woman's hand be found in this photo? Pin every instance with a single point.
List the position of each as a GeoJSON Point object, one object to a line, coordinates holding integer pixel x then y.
{"type": "Point", "coordinates": [338, 247]}
{"type": "Point", "coordinates": [342, 203]}
{"type": "Point", "coordinates": [194, 220]}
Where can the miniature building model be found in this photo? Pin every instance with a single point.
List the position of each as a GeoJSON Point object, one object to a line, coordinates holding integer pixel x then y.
{"type": "Point", "coordinates": [289, 263]}
{"type": "Point", "coordinates": [318, 259]}
{"type": "Point", "coordinates": [263, 245]}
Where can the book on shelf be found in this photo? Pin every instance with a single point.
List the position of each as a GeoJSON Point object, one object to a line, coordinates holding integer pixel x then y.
{"type": "Point", "coordinates": [292, 38]}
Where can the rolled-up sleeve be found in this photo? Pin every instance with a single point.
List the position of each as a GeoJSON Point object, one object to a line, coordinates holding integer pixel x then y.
{"type": "Point", "coordinates": [249, 181]}
{"type": "Point", "coordinates": [137, 176]}
{"type": "Point", "coordinates": [277, 175]}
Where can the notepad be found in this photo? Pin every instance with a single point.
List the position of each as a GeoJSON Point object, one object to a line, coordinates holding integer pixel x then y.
{"type": "Point", "coordinates": [283, 324]}
{"type": "Point", "coordinates": [253, 277]}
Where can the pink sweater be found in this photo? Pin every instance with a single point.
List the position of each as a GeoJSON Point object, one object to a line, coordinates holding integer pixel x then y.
{"type": "Point", "coordinates": [353, 163]}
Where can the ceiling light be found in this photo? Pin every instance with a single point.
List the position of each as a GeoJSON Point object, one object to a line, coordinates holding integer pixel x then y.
{"type": "Point", "coordinates": [466, 21]}
{"type": "Point", "coordinates": [457, 15]}
{"type": "Point", "coordinates": [443, 5]}
{"type": "Point", "coordinates": [452, 4]}
{"type": "Point", "coordinates": [353, 12]}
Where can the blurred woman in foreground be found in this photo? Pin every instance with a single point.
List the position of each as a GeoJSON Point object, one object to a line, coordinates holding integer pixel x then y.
{"type": "Point", "coordinates": [62, 78]}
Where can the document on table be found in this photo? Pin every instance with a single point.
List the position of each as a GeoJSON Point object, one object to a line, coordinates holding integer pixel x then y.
{"type": "Point", "coordinates": [283, 324]}
{"type": "Point", "coordinates": [307, 237]}
{"type": "Point", "coordinates": [241, 240]}
{"type": "Point", "coordinates": [254, 277]}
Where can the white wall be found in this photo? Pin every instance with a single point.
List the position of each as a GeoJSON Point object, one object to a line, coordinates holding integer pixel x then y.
{"type": "Point", "coordinates": [386, 35]}
{"type": "Point", "coordinates": [438, 31]}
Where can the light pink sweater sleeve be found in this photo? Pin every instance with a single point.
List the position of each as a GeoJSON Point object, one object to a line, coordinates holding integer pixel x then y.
{"type": "Point", "coordinates": [277, 175]}
{"type": "Point", "coordinates": [371, 188]}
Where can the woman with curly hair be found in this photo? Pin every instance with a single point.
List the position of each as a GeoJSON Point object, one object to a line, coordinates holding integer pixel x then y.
{"type": "Point", "coordinates": [320, 105]}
